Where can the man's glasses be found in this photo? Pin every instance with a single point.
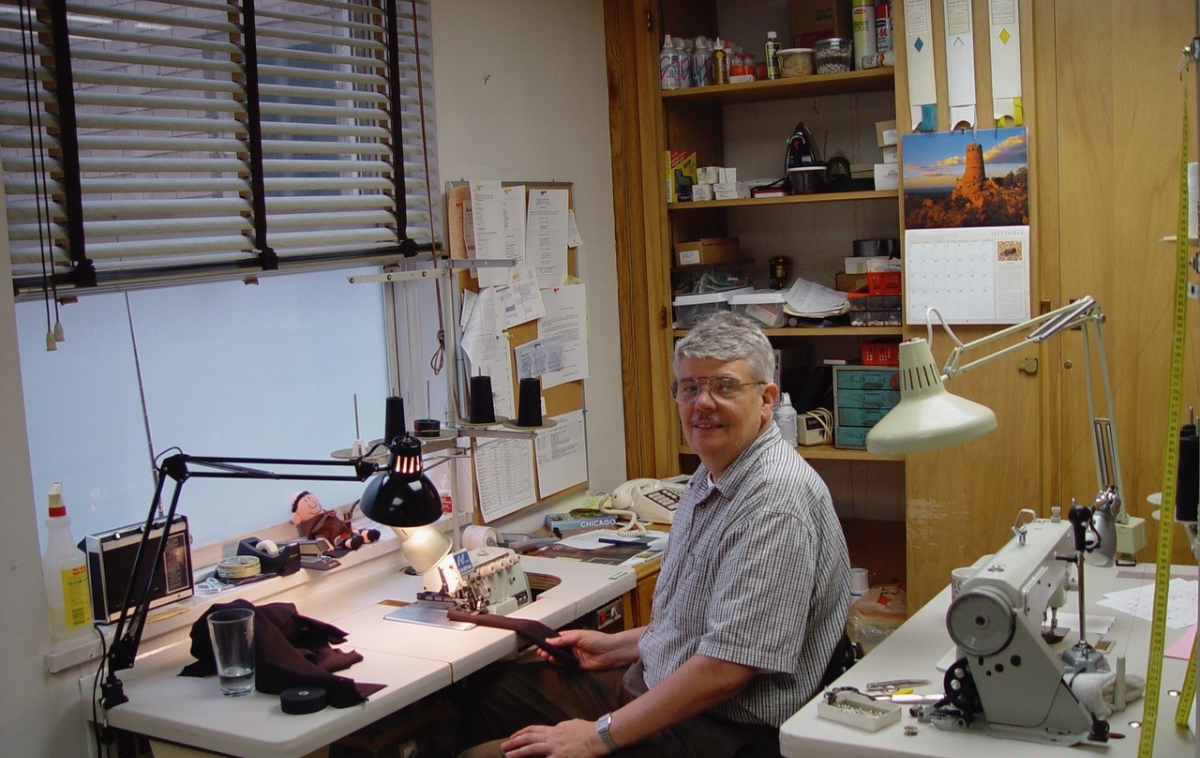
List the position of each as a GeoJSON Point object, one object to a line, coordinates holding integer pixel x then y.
{"type": "Point", "coordinates": [722, 387]}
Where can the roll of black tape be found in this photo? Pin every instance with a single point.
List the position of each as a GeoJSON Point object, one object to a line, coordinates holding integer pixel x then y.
{"type": "Point", "coordinates": [1187, 490]}
{"type": "Point", "coordinates": [300, 700]}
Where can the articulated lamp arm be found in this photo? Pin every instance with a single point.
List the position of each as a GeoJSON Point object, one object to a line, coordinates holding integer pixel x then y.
{"type": "Point", "coordinates": [929, 418]}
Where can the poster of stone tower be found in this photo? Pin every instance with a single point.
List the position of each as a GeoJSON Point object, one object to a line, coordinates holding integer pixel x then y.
{"type": "Point", "coordinates": [966, 179]}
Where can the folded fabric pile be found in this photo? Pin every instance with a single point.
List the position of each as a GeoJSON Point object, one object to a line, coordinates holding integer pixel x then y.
{"type": "Point", "coordinates": [290, 650]}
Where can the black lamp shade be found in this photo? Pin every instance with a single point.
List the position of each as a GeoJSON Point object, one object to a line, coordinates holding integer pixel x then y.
{"type": "Point", "coordinates": [402, 495]}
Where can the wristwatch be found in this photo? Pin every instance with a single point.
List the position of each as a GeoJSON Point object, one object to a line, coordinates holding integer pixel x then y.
{"type": "Point", "coordinates": [602, 725]}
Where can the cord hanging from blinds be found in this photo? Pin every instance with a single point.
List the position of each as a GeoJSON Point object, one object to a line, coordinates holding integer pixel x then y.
{"type": "Point", "coordinates": [187, 138]}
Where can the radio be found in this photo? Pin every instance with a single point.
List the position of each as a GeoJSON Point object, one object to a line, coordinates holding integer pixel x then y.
{"type": "Point", "coordinates": [110, 558]}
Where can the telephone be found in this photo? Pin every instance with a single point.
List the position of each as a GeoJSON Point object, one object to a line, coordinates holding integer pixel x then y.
{"type": "Point", "coordinates": [651, 500]}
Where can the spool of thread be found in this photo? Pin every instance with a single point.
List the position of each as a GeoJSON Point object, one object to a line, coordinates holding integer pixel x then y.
{"type": "Point", "coordinates": [483, 411]}
{"type": "Point", "coordinates": [393, 420]}
{"type": "Point", "coordinates": [1187, 490]}
{"type": "Point", "coordinates": [529, 406]}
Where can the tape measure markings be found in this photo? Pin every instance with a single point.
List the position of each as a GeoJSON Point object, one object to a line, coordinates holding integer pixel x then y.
{"type": "Point", "coordinates": [1166, 509]}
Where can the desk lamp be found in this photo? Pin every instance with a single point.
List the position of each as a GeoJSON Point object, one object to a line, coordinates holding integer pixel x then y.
{"type": "Point", "coordinates": [401, 497]}
{"type": "Point", "coordinates": [928, 417]}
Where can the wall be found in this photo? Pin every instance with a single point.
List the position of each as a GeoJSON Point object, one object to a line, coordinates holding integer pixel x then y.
{"type": "Point", "coordinates": [512, 102]}
{"type": "Point", "coordinates": [527, 104]}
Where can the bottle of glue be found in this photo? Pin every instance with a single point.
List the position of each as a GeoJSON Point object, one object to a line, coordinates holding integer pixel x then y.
{"type": "Point", "coordinates": [64, 568]}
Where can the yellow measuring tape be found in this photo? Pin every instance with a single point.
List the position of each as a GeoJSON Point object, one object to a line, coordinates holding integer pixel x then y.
{"type": "Point", "coordinates": [1166, 523]}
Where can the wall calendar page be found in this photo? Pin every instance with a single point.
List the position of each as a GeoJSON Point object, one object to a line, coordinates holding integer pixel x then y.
{"type": "Point", "coordinates": [973, 275]}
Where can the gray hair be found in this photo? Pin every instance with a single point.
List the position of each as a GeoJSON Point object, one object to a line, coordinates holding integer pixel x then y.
{"type": "Point", "coordinates": [726, 337]}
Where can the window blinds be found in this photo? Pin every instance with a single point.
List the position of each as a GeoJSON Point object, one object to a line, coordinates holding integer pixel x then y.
{"type": "Point", "coordinates": [145, 140]}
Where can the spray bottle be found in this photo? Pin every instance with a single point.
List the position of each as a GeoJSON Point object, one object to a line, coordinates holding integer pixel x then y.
{"type": "Point", "coordinates": [785, 418]}
{"type": "Point", "coordinates": [64, 568]}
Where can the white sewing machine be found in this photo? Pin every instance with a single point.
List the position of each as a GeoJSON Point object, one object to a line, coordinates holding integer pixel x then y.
{"type": "Point", "coordinates": [484, 579]}
{"type": "Point", "coordinates": [1007, 682]}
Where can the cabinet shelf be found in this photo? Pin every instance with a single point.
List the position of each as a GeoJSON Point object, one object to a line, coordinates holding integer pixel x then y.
{"type": "Point", "coordinates": [828, 453]}
{"type": "Point", "coordinates": [824, 331]}
{"type": "Point", "coordinates": [820, 197]}
{"type": "Point", "coordinates": [818, 85]}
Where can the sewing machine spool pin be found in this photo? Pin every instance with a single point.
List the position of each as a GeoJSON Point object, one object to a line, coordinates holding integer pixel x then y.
{"type": "Point", "coordinates": [1082, 657]}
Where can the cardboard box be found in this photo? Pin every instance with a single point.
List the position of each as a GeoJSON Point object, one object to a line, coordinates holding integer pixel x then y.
{"type": "Point", "coordinates": [731, 191]}
{"type": "Point", "coordinates": [708, 174]}
{"type": "Point", "coordinates": [885, 133]}
{"type": "Point", "coordinates": [702, 192]}
{"type": "Point", "coordinates": [891, 154]}
{"type": "Point", "coordinates": [861, 264]}
{"type": "Point", "coordinates": [887, 176]}
{"type": "Point", "coordinates": [681, 175]}
{"type": "Point", "coordinates": [728, 175]}
{"type": "Point", "coordinates": [811, 20]}
{"type": "Point", "coordinates": [849, 282]}
{"type": "Point", "coordinates": [707, 250]}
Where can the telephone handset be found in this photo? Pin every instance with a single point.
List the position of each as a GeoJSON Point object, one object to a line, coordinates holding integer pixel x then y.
{"type": "Point", "coordinates": [652, 500]}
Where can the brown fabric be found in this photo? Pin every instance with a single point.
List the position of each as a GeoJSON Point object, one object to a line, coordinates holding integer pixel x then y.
{"type": "Point", "coordinates": [290, 650]}
{"type": "Point", "coordinates": [534, 631]}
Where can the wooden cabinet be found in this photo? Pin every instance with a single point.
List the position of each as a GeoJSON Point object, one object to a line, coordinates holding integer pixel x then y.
{"type": "Point", "coordinates": [745, 126]}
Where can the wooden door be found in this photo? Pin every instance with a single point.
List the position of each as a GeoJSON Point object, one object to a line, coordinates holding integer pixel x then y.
{"type": "Point", "coordinates": [1113, 128]}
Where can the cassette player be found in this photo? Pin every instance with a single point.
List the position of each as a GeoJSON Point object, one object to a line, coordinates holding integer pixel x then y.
{"type": "Point", "coordinates": [110, 558]}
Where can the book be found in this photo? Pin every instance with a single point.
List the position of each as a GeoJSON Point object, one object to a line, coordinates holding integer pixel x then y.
{"type": "Point", "coordinates": [567, 522]}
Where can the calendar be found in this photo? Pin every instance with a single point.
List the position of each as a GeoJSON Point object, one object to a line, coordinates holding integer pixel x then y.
{"type": "Point", "coordinates": [971, 275]}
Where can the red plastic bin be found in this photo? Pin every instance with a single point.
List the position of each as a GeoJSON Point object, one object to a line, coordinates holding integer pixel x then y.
{"type": "Point", "coordinates": [880, 353]}
{"type": "Point", "coordinates": [883, 282]}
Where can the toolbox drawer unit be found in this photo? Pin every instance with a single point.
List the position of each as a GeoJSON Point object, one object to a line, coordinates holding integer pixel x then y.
{"type": "Point", "coordinates": [861, 396]}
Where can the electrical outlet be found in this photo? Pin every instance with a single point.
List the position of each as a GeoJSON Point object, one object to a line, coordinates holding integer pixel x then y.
{"type": "Point", "coordinates": [1131, 536]}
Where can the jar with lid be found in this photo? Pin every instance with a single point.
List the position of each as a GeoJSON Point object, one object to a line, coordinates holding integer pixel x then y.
{"type": "Point", "coordinates": [833, 55]}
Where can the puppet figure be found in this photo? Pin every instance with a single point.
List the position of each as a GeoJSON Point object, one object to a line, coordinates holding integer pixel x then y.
{"type": "Point", "coordinates": [313, 521]}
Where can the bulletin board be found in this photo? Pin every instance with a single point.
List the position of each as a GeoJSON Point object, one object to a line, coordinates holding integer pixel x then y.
{"type": "Point", "coordinates": [557, 400]}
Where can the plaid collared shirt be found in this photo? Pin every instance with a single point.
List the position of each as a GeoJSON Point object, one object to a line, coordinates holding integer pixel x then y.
{"type": "Point", "coordinates": [755, 573]}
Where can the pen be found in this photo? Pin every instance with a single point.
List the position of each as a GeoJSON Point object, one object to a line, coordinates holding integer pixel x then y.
{"type": "Point", "coordinates": [618, 541]}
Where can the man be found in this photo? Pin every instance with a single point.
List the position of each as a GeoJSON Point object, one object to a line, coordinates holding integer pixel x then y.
{"type": "Point", "coordinates": [750, 603]}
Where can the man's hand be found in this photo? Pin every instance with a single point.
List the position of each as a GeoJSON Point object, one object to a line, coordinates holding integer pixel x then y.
{"type": "Point", "coordinates": [568, 739]}
{"type": "Point", "coordinates": [596, 651]}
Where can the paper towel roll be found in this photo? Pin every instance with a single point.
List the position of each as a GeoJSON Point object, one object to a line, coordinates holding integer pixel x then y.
{"type": "Point", "coordinates": [479, 536]}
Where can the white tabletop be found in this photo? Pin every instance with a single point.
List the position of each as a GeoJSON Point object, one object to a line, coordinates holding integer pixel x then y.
{"type": "Point", "coordinates": [412, 660]}
{"type": "Point", "coordinates": [913, 651]}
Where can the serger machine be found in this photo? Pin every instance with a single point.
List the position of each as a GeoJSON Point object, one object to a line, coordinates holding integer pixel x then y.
{"type": "Point", "coordinates": [485, 579]}
{"type": "Point", "coordinates": [1007, 682]}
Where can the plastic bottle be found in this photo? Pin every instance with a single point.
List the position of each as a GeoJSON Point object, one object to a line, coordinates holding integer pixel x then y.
{"type": "Point", "coordinates": [64, 568]}
{"type": "Point", "coordinates": [702, 62]}
{"type": "Point", "coordinates": [772, 54]}
{"type": "Point", "coordinates": [683, 54]}
{"type": "Point", "coordinates": [785, 418]}
{"type": "Point", "coordinates": [668, 65]}
{"type": "Point", "coordinates": [720, 62]}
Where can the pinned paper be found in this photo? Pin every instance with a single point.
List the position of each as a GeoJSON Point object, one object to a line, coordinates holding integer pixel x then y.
{"type": "Point", "coordinates": [960, 64]}
{"type": "Point", "coordinates": [922, 82]}
{"type": "Point", "coordinates": [1005, 35]}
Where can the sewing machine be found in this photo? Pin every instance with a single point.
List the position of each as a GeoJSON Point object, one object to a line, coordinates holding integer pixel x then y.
{"type": "Point", "coordinates": [1007, 681]}
{"type": "Point", "coordinates": [484, 579]}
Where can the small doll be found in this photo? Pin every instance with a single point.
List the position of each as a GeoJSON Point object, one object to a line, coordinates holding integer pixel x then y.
{"type": "Point", "coordinates": [314, 521]}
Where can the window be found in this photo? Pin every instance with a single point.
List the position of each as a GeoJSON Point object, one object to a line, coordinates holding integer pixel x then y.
{"type": "Point", "coordinates": [221, 368]}
{"type": "Point", "coordinates": [160, 138]}
{"type": "Point", "coordinates": [163, 161]}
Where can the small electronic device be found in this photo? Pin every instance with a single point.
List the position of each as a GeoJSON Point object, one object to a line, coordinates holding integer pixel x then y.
{"type": "Point", "coordinates": [110, 559]}
{"type": "Point", "coordinates": [811, 429]}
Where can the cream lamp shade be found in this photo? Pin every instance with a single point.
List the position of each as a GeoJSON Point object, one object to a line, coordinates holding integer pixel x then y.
{"type": "Point", "coordinates": [423, 546]}
{"type": "Point", "coordinates": [927, 416]}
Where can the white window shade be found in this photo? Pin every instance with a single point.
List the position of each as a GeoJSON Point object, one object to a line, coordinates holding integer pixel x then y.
{"type": "Point", "coordinates": [184, 137]}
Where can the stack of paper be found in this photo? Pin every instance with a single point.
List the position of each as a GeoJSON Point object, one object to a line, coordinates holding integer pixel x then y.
{"type": "Point", "coordinates": [811, 300]}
